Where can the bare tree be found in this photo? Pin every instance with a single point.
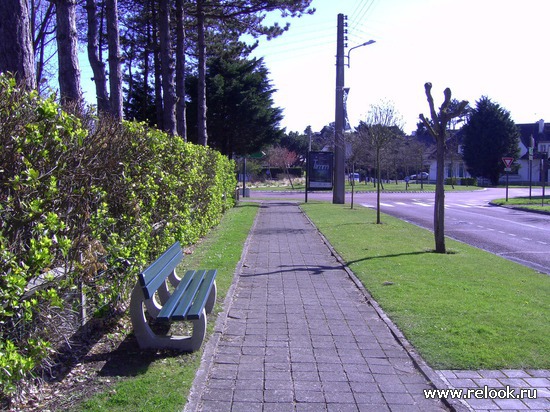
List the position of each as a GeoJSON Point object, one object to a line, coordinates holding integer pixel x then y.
{"type": "Point", "coordinates": [437, 127]}
{"type": "Point", "coordinates": [283, 158]}
{"type": "Point", "coordinates": [381, 127]}
{"type": "Point", "coordinates": [16, 50]}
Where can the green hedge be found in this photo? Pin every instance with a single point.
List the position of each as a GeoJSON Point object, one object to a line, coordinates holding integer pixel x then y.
{"type": "Point", "coordinates": [96, 200]}
{"type": "Point", "coordinates": [461, 181]}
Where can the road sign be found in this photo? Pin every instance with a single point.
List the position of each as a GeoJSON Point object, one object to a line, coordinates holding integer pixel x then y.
{"type": "Point", "coordinates": [508, 161]}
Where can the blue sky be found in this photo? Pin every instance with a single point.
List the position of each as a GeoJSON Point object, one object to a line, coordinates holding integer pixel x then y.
{"type": "Point", "coordinates": [495, 48]}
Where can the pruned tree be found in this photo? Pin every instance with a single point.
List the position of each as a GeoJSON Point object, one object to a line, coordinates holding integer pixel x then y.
{"type": "Point", "coordinates": [382, 126]}
{"type": "Point", "coordinates": [437, 126]}
{"type": "Point", "coordinates": [16, 48]}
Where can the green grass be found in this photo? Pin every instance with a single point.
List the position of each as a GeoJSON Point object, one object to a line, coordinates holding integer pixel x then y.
{"type": "Point", "coordinates": [467, 309]}
{"type": "Point", "coordinates": [164, 383]}
{"type": "Point", "coordinates": [535, 203]}
{"type": "Point", "coordinates": [362, 187]}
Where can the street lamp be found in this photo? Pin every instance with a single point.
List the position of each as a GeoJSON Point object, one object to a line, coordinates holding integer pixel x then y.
{"type": "Point", "coordinates": [356, 47]}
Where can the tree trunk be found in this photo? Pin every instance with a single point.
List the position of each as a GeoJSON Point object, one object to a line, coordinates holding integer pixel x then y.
{"type": "Point", "coordinates": [156, 67]}
{"type": "Point", "coordinates": [115, 71]}
{"type": "Point", "coordinates": [67, 52]}
{"type": "Point", "coordinates": [180, 70]}
{"type": "Point", "coordinates": [16, 51]}
{"type": "Point", "coordinates": [201, 44]}
{"type": "Point", "coordinates": [98, 67]}
{"type": "Point", "coordinates": [378, 178]}
{"type": "Point", "coordinates": [438, 129]}
{"type": "Point", "coordinates": [168, 88]}
{"type": "Point", "coordinates": [439, 209]}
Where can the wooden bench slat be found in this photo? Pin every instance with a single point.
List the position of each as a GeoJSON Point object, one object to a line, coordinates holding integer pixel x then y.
{"type": "Point", "coordinates": [180, 312]}
{"type": "Point", "coordinates": [169, 306]}
{"type": "Point", "coordinates": [153, 277]}
{"type": "Point", "coordinates": [200, 300]}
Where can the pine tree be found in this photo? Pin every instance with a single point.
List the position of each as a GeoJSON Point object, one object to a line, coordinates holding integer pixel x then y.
{"type": "Point", "coordinates": [489, 135]}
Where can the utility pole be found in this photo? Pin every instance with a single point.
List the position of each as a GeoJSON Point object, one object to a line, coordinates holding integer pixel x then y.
{"type": "Point", "coordinates": [339, 190]}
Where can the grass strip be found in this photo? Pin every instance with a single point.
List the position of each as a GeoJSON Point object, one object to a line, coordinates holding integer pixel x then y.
{"type": "Point", "coordinates": [535, 203]}
{"type": "Point", "coordinates": [369, 187]}
{"type": "Point", "coordinates": [164, 383]}
{"type": "Point", "coordinates": [467, 309]}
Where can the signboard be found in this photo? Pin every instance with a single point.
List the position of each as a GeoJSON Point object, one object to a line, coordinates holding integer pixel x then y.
{"type": "Point", "coordinates": [508, 161]}
{"type": "Point", "coordinates": [319, 170]}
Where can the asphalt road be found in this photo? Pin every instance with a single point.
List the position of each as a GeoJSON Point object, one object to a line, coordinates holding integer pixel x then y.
{"type": "Point", "coordinates": [520, 236]}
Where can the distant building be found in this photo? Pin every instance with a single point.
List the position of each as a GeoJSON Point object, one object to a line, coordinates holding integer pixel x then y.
{"type": "Point", "coordinates": [454, 163]}
{"type": "Point", "coordinates": [537, 136]}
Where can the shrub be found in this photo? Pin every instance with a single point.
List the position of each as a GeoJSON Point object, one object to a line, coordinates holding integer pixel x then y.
{"type": "Point", "coordinates": [85, 204]}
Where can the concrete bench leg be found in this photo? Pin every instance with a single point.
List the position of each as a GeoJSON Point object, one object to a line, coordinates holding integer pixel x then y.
{"type": "Point", "coordinates": [211, 301]}
{"type": "Point", "coordinates": [147, 339]}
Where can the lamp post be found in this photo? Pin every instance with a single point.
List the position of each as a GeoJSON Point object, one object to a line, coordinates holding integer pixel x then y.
{"type": "Point", "coordinates": [339, 189]}
{"type": "Point", "coordinates": [356, 47]}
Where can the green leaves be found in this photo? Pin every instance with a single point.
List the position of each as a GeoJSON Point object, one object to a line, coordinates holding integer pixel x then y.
{"type": "Point", "coordinates": [84, 205]}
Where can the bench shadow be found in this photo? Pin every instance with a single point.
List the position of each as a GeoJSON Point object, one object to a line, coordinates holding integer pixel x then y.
{"type": "Point", "coordinates": [128, 360]}
{"type": "Point", "coordinates": [314, 270]}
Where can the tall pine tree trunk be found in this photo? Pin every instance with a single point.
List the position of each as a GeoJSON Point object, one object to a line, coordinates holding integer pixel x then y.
{"type": "Point", "coordinates": [16, 51]}
{"type": "Point", "coordinates": [180, 70]}
{"type": "Point", "coordinates": [67, 52]}
{"type": "Point", "coordinates": [168, 88]}
{"type": "Point", "coordinates": [115, 71]}
{"type": "Point", "coordinates": [94, 57]}
{"type": "Point", "coordinates": [156, 67]}
{"type": "Point", "coordinates": [201, 44]}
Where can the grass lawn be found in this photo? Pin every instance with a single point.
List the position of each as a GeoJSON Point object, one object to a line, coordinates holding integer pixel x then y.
{"type": "Point", "coordinates": [163, 384]}
{"type": "Point", "coordinates": [362, 187]}
{"type": "Point", "coordinates": [533, 204]}
{"type": "Point", "coordinates": [467, 309]}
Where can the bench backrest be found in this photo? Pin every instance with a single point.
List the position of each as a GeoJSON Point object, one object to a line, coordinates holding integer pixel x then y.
{"type": "Point", "coordinates": [153, 277]}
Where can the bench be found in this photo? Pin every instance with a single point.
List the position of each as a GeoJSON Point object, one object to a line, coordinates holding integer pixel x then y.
{"type": "Point", "coordinates": [161, 295]}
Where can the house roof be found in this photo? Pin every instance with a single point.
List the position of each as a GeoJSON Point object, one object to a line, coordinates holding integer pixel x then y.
{"type": "Point", "coordinates": [527, 130]}
{"type": "Point", "coordinates": [532, 129]}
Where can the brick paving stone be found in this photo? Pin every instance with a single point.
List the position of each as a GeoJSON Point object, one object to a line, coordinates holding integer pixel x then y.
{"type": "Point", "coordinates": [513, 373]}
{"type": "Point", "coordinates": [299, 334]}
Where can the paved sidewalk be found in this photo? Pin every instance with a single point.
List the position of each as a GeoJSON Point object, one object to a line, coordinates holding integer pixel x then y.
{"type": "Point", "coordinates": [497, 386]}
{"type": "Point", "coordinates": [300, 336]}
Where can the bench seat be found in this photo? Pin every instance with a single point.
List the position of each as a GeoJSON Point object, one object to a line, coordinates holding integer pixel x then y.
{"type": "Point", "coordinates": [161, 295]}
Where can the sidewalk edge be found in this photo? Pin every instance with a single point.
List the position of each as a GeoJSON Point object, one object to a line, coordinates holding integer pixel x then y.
{"type": "Point", "coordinates": [199, 383]}
{"type": "Point", "coordinates": [454, 404]}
